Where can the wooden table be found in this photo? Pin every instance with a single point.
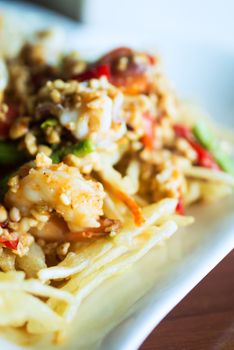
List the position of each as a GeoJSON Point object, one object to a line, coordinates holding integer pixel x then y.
{"type": "Point", "coordinates": [204, 320]}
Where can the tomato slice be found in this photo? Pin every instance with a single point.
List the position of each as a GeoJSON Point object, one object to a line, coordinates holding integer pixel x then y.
{"type": "Point", "coordinates": [129, 74]}
{"type": "Point", "coordinates": [116, 53]}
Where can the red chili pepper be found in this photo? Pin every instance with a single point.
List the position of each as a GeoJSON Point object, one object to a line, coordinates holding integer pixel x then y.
{"type": "Point", "coordinates": [10, 117]}
{"type": "Point", "coordinates": [180, 207]}
{"type": "Point", "coordinates": [94, 73]}
{"type": "Point", "coordinates": [204, 158]}
{"type": "Point", "coordinates": [10, 244]}
{"type": "Point", "coordinates": [148, 138]}
{"type": "Point", "coordinates": [182, 131]}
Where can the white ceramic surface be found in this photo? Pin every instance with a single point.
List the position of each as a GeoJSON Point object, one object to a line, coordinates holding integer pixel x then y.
{"type": "Point", "coordinates": [122, 312]}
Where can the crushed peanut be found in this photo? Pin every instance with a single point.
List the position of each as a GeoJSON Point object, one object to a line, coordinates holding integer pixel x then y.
{"type": "Point", "coordinates": [52, 136]}
{"type": "Point", "coordinates": [55, 96]}
{"type": "Point", "coordinates": [43, 160]}
{"type": "Point", "coordinates": [45, 149]}
{"type": "Point", "coordinates": [14, 214]}
{"type": "Point", "coordinates": [63, 249]}
{"type": "Point", "coordinates": [31, 143]}
{"type": "Point", "coordinates": [19, 128]}
{"type": "Point", "coordinates": [3, 213]}
{"type": "Point", "coordinates": [13, 183]}
{"type": "Point", "coordinates": [184, 147]}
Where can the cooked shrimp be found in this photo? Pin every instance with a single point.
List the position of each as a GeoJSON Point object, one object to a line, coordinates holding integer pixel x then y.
{"type": "Point", "coordinates": [56, 230]}
{"type": "Point", "coordinates": [61, 189]}
{"type": "Point", "coordinates": [97, 117]}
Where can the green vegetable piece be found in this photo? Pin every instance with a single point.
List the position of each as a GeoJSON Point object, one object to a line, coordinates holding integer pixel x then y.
{"type": "Point", "coordinates": [50, 122]}
{"type": "Point", "coordinates": [207, 139]}
{"type": "Point", "coordinates": [204, 136]}
{"type": "Point", "coordinates": [9, 153]}
{"type": "Point", "coordinates": [224, 161]}
{"type": "Point", "coordinates": [56, 156]}
{"type": "Point", "coordinates": [80, 149]}
{"type": "Point", "coordinates": [3, 185]}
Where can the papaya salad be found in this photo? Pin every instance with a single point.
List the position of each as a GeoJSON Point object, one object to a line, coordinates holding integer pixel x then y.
{"type": "Point", "coordinates": [99, 163]}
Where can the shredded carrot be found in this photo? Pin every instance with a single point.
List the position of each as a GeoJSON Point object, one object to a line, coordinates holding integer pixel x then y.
{"type": "Point", "coordinates": [132, 206]}
{"type": "Point", "coordinates": [129, 202]}
{"type": "Point", "coordinates": [148, 138]}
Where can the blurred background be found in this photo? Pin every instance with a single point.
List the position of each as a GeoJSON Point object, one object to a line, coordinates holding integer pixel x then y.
{"type": "Point", "coordinates": [212, 19]}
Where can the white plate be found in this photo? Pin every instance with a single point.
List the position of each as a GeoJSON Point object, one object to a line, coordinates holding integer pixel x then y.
{"type": "Point", "coordinates": [123, 311]}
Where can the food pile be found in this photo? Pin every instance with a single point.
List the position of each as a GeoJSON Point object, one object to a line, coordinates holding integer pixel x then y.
{"type": "Point", "coordinates": [87, 146]}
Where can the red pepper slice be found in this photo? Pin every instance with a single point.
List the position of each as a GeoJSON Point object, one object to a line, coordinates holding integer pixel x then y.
{"type": "Point", "coordinates": [94, 73]}
{"type": "Point", "coordinates": [204, 158]}
{"type": "Point", "coordinates": [10, 244]}
{"type": "Point", "coordinates": [182, 131]}
{"type": "Point", "coordinates": [180, 207]}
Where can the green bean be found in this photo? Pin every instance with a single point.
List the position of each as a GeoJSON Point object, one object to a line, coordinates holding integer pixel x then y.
{"type": "Point", "coordinates": [9, 153]}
